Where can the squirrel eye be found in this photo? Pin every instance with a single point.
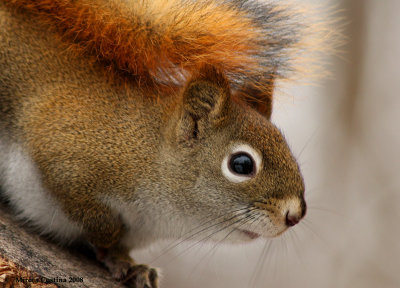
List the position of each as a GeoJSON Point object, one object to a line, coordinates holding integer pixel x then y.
{"type": "Point", "coordinates": [241, 163]}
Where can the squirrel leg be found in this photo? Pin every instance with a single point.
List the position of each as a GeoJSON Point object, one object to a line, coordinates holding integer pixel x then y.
{"type": "Point", "coordinates": [104, 230]}
{"type": "Point", "coordinates": [123, 268]}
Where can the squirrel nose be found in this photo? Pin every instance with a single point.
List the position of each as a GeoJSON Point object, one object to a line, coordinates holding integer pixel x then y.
{"type": "Point", "coordinates": [294, 217]}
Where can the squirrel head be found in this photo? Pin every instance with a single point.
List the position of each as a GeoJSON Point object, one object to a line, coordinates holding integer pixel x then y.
{"type": "Point", "coordinates": [228, 165]}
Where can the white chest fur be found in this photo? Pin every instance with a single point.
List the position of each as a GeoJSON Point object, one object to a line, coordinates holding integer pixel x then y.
{"type": "Point", "coordinates": [21, 183]}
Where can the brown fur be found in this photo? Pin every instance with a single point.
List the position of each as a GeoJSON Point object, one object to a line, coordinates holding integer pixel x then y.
{"type": "Point", "coordinates": [123, 164]}
{"type": "Point", "coordinates": [162, 42]}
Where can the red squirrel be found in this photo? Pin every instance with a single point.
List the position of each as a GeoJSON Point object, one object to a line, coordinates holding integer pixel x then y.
{"type": "Point", "coordinates": [126, 122]}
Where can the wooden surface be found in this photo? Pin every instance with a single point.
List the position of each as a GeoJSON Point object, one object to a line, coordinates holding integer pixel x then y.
{"type": "Point", "coordinates": [24, 254]}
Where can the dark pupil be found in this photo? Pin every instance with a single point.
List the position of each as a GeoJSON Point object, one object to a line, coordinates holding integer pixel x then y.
{"type": "Point", "coordinates": [241, 164]}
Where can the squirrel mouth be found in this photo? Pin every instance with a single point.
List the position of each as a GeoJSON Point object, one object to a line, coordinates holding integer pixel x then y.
{"type": "Point", "coordinates": [251, 235]}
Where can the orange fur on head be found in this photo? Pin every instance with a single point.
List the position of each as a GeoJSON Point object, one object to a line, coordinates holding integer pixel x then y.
{"type": "Point", "coordinates": [162, 42]}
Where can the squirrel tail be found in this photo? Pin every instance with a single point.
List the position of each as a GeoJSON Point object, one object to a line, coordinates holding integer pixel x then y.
{"type": "Point", "coordinates": [162, 42]}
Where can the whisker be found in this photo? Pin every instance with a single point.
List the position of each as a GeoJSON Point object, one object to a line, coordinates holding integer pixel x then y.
{"type": "Point", "coordinates": [312, 192]}
{"type": "Point", "coordinates": [213, 249]}
{"type": "Point", "coordinates": [307, 143]}
{"type": "Point", "coordinates": [260, 264]}
{"type": "Point", "coordinates": [286, 253]}
{"type": "Point", "coordinates": [327, 210]}
{"type": "Point", "coordinates": [247, 219]}
{"type": "Point", "coordinates": [192, 235]}
{"type": "Point", "coordinates": [306, 223]}
{"type": "Point", "coordinates": [295, 239]}
{"type": "Point", "coordinates": [174, 245]}
{"type": "Point", "coordinates": [208, 237]}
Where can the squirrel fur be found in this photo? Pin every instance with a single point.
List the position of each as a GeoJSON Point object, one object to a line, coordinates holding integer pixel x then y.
{"type": "Point", "coordinates": [122, 122]}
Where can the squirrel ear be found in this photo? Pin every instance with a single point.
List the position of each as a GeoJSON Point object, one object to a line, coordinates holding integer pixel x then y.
{"type": "Point", "coordinates": [259, 98]}
{"type": "Point", "coordinates": [207, 94]}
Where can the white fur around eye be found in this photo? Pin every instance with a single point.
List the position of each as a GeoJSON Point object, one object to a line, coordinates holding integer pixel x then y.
{"type": "Point", "coordinates": [237, 178]}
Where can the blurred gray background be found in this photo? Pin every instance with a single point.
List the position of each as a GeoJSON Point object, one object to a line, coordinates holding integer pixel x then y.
{"type": "Point", "coordinates": [346, 134]}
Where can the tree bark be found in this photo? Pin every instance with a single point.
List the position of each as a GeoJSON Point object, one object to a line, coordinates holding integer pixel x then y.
{"type": "Point", "coordinates": [29, 260]}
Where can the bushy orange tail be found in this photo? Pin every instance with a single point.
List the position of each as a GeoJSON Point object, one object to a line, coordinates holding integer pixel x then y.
{"type": "Point", "coordinates": [161, 42]}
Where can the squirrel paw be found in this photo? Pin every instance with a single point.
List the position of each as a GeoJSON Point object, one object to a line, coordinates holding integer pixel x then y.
{"type": "Point", "coordinates": [141, 276]}
{"type": "Point", "coordinates": [125, 270]}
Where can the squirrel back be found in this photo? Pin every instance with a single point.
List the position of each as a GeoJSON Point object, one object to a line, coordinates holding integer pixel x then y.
{"type": "Point", "coordinates": [161, 43]}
